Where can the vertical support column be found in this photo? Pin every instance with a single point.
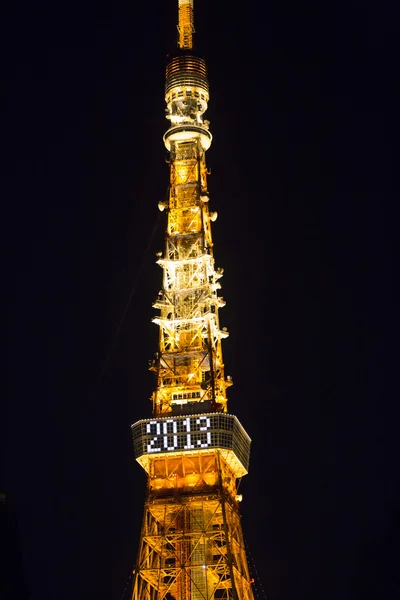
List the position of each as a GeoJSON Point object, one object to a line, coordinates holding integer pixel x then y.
{"type": "Point", "coordinates": [198, 555]}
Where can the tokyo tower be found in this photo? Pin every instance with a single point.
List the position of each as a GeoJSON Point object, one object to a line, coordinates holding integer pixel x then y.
{"type": "Point", "coordinates": [193, 450]}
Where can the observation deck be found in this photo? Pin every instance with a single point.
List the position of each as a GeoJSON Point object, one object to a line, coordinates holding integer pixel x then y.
{"type": "Point", "coordinates": [194, 434]}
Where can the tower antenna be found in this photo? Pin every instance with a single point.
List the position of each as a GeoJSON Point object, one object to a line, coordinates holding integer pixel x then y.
{"type": "Point", "coordinates": [185, 24]}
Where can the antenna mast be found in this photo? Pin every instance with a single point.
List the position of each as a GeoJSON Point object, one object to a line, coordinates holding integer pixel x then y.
{"type": "Point", "coordinates": [185, 24]}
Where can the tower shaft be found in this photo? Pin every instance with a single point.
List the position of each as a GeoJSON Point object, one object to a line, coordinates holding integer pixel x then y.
{"type": "Point", "coordinates": [193, 451]}
{"type": "Point", "coordinates": [189, 364]}
{"type": "Point", "coordinates": [191, 544]}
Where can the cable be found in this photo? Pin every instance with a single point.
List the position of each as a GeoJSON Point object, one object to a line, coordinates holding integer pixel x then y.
{"type": "Point", "coordinates": [257, 581]}
{"type": "Point", "coordinates": [125, 311]}
{"type": "Point", "coordinates": [126, 586]}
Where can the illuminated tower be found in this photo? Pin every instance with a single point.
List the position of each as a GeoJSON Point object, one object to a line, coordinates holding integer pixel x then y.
{"type": "Point", "coordinates": [193, 451]}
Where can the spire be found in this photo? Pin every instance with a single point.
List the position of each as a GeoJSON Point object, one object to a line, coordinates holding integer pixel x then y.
{"type": "Point", "coordinates": [185, 24]}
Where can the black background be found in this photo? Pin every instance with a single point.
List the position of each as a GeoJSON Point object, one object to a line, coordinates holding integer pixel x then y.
{"type": "Point", "coordinates": [302, 177]}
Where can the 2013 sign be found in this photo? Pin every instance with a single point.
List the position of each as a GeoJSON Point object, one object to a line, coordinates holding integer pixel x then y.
{"type": "Point", "coordinates": [178, 434]}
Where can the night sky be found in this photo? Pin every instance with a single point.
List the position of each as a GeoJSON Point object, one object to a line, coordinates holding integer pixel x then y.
{"type": "Point", "coordinates": [302, 177]}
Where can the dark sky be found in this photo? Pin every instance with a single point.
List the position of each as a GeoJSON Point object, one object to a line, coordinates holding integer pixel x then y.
{"type": "Point", "coordinates": [302, 178]}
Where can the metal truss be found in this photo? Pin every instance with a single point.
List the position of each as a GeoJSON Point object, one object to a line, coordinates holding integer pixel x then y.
{"type": "Point", "coordinates": [189, 360]}
{"type": "Point", "coordinates": [191, 545]}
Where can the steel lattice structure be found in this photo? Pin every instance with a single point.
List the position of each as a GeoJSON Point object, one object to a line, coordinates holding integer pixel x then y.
{"type": "Point", "coordinates": [194, 452]}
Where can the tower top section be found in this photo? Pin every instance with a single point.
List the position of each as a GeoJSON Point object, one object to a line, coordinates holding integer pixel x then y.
{"type": "Point", "coordinates": [186, 87]}
{"type": "Point", "coordinates": [185, 24]}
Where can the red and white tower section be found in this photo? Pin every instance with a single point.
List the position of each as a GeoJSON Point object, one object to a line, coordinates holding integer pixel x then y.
{"type": "Point", "coordinates": [193, 451]}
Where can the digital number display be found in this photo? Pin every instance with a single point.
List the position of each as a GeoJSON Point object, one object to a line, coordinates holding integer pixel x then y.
{"type": "Point", "coordinates": [163, 435]}
{"type": "Point", "coordinates": [192, 433]}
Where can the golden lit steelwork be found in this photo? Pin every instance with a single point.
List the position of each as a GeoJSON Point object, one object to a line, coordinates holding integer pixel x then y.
{"type": "Point", "coordinates": [193, 451]}
{"type": "Point", "coordinates": [185, 24]}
